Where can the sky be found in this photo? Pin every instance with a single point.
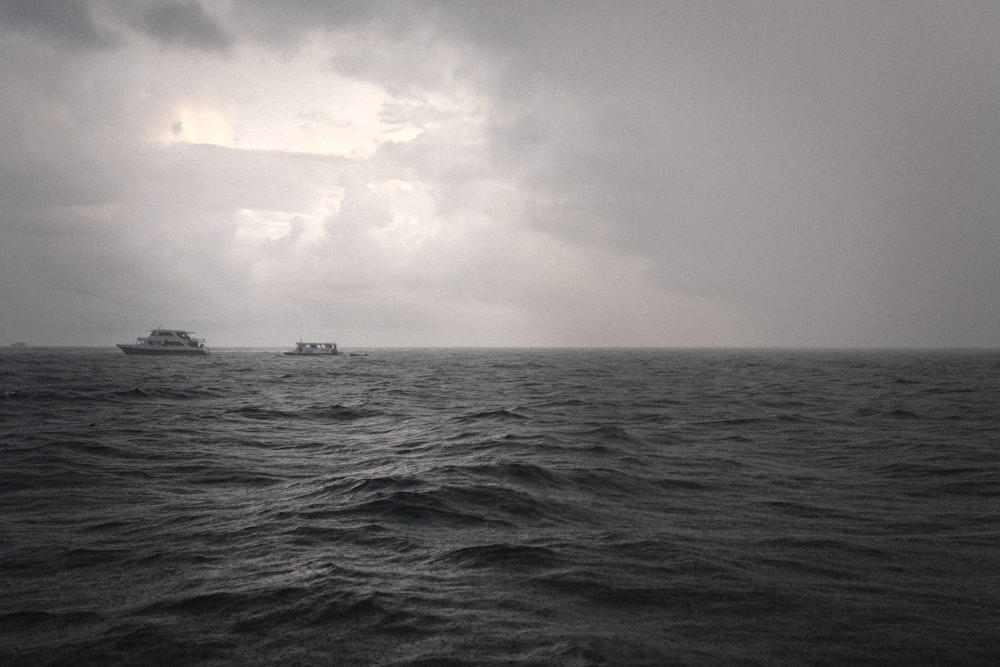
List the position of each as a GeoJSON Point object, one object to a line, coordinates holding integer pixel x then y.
{"type": "Point", "coordinates": [567, 173]}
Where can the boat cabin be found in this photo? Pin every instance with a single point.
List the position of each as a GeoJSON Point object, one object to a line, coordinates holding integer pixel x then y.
{"type": "Point", "coordinates": [314, 348]}
{"type": "Point", "coordinates": [171, 338]}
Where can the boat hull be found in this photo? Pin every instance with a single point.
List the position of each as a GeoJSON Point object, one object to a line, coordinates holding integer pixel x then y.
{"type": "Point", "coordinates": [311, 354]}
{"type": "Point", "coordinates": [157, 351]}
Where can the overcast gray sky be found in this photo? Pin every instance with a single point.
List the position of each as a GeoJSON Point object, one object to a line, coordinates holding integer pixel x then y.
{"type": "Point", "coordinates": [433, 173]}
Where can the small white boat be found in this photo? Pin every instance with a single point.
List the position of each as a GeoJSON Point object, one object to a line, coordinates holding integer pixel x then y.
{"type": "Point", "coordinates": [167, 342]}
{"type": "Point", "coordinates": [312, 349]}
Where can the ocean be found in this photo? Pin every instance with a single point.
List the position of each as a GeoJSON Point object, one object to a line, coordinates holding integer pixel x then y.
{"type": "Point", "coordinates": [500, 507]}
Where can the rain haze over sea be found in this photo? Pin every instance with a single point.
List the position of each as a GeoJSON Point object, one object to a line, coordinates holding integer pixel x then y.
{"type": "Point", "coordinates": [508, 507]}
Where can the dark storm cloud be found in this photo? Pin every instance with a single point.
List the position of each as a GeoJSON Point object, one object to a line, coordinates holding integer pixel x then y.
{"type": "Point", "coordinates": [183, 23]}
{"type": "Point", "coordinates": [57, 21]}
{"type": "Point", "coordinates": [288, 23]}
{"type": "Point", "coordinates": [810, 162]}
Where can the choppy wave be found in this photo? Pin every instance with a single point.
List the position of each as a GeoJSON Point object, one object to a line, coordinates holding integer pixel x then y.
{"type": "Point", "coordinates": [500, 507]}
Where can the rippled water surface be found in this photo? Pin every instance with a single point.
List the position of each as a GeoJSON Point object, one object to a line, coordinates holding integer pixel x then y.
{"type": "Point", "coordinates": [460, 507]}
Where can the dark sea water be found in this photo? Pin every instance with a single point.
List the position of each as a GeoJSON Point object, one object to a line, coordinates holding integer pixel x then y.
{"type": "Point", "coordinates": [500, 507]}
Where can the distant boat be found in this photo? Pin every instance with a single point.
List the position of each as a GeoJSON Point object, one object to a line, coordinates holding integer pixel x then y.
{"type": "Point", "coordinates": [19, 344]}
{"type": "Point", "coordinates": [313, 349]}
{"type": "Point", "coordinates": [166, 342]}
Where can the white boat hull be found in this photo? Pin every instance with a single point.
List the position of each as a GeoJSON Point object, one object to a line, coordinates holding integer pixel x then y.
{"type": "Point", "coordinates": [163, 351]}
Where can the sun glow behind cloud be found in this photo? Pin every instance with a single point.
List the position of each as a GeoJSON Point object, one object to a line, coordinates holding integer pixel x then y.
{"type": "Point", "coordinates": [202, 125]}
{"type": "Point", "coordinates": [355, 216]}
{"type": "Point", "coordinates": [293, 103]}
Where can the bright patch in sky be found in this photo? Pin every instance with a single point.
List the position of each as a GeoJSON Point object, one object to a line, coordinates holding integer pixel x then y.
{"type": "Point", "coordinates": [254, 102]}
{"type": "Point", "coordinates": [202, 125]}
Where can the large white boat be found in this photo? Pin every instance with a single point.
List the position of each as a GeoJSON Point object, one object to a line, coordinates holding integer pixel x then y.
{"type": "Point", "coordinates": [311, 349]}
{"type": "Point", "coordinates": [166, 342]}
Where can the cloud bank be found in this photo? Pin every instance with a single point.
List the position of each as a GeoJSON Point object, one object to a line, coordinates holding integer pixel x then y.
{"type": "Point", "coordinates": [501, 174]}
